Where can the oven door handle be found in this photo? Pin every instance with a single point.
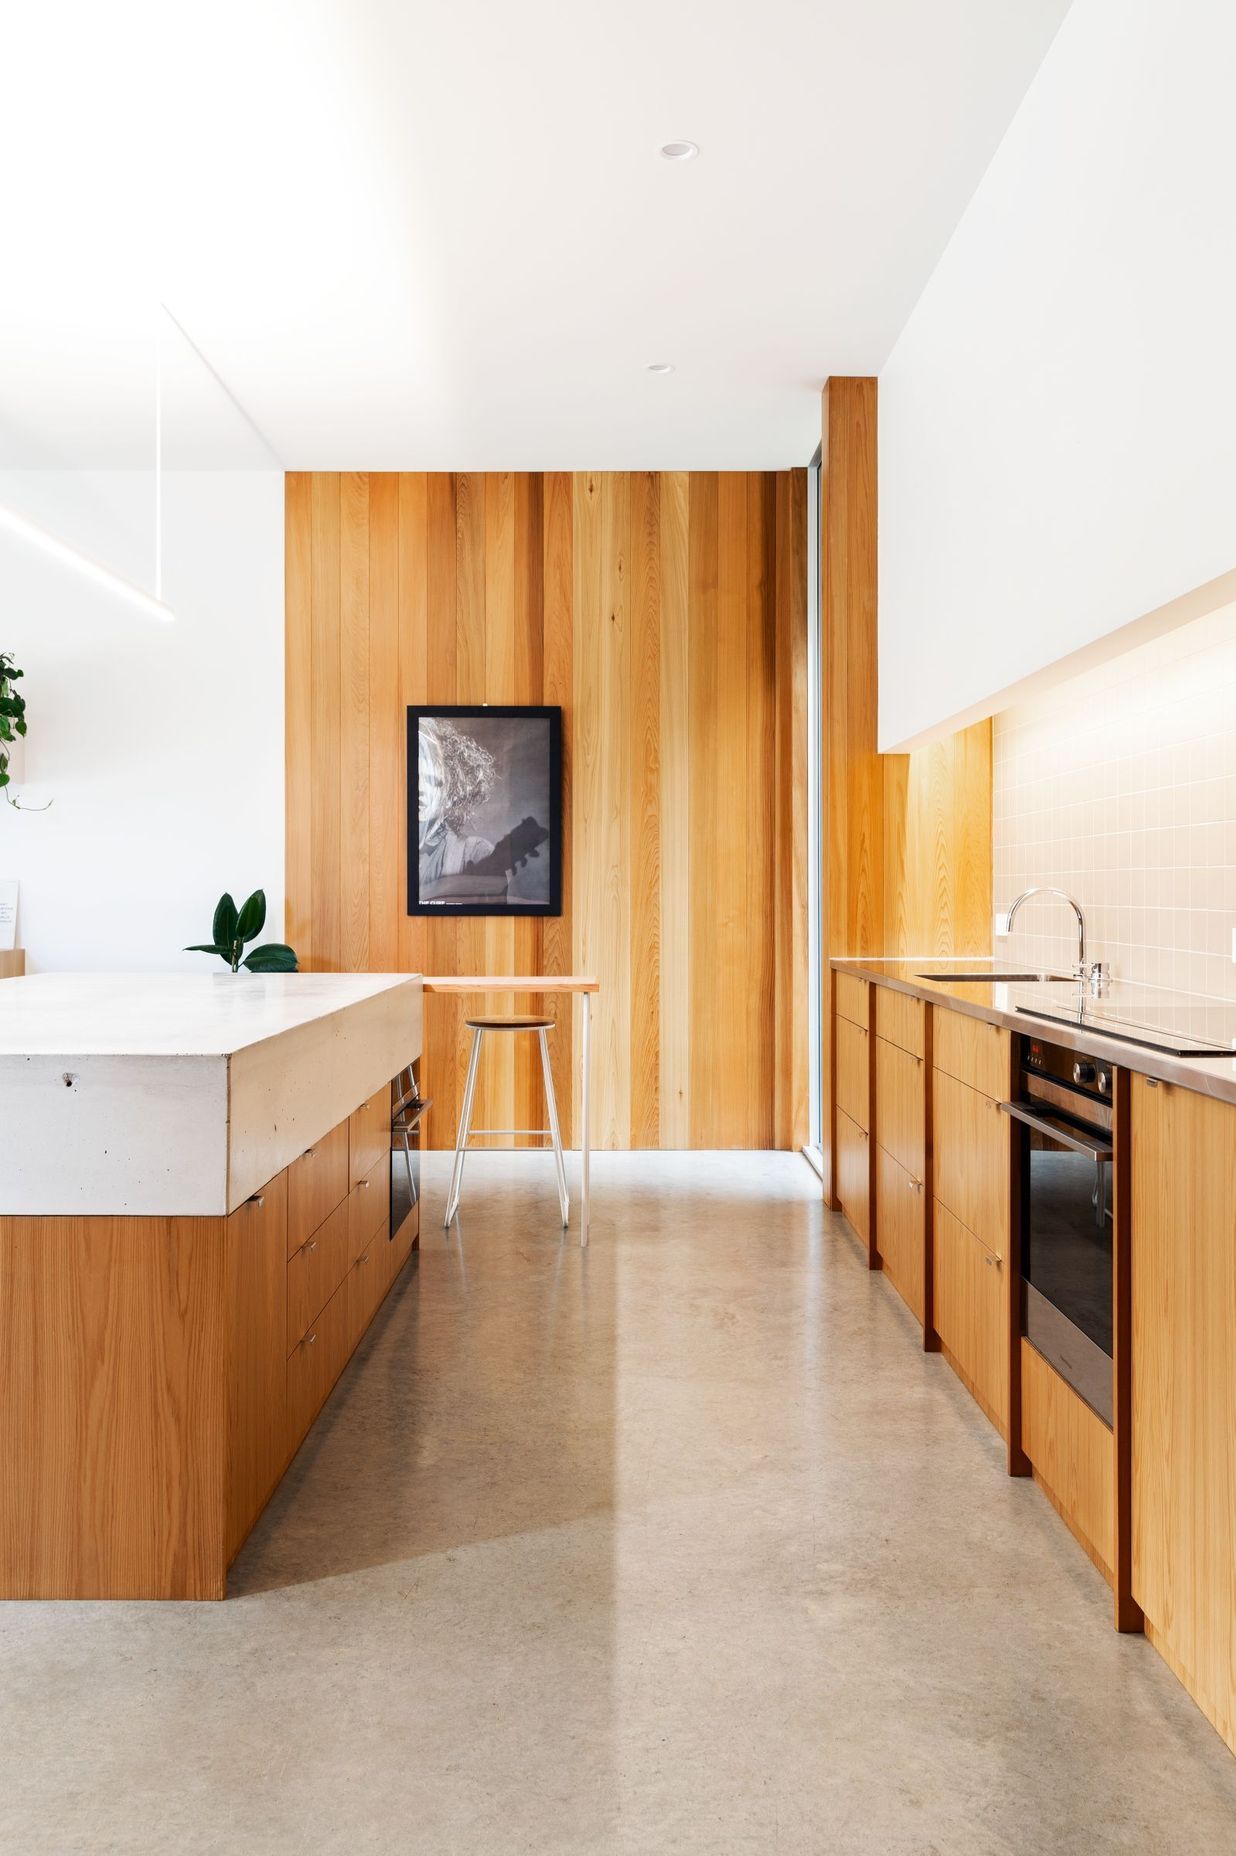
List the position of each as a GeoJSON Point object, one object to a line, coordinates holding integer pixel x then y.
{"type": "Point", "coordinates": [1056, 1128]}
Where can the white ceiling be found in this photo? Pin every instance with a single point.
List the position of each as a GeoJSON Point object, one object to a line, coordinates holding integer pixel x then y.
{"type": "Point", "coordinates": [413, 235]}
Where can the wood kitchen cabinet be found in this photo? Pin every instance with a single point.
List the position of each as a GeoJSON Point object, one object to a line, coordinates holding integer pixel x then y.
{"type": "Point", "coordinates": [1184, 1387]}
{"type": "Point", "coordinates": [973, 1158]}
{"type": "Point", "coordinates": [901, 1214]}
{"type": "Point", "coordinates": [903, 1197]}
{"type": "Point", "coordinates": [971, 1313]}
{"type": "Point", "coordinates": [256, 1242]}
{"type": "Point", "coordinates": [854, 1073]}
{"type": "Point", "coordinates": [853, 1168]}
{"type": "Point", "coordinates": [975, 1292]}
{"type": "Point", "coordinates": [212, 1342]}
{"type": "Point", "coordinates": [854, 1174]}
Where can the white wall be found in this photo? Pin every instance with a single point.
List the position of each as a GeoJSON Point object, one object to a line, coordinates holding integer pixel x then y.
{"type": "Point", "coordinates": [160, 744]}
{"type": "Point", "coordinates": [1058, 418]}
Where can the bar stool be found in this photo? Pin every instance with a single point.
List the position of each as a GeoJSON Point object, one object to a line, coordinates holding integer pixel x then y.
{"type": "Point", "coordinates": [516, 1022]}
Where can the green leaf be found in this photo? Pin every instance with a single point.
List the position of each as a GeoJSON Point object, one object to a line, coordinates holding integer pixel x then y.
{"type": "Point", "coordinates": [208, 947]}
{"type": "Point", "coordinates": [252, 918]}
{"type": "Point", "coordinates": [223, 928]}
{"type": "Point", "coordinates": [20, 726]}
{"type": "Point", "coordinates": [274, 957]}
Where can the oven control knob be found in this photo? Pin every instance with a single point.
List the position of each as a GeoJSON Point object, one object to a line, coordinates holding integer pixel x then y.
{"type": "Point", "coordinates": [1105, 1082]}
{"type": "Point", "coordinates": [1083, 1072]}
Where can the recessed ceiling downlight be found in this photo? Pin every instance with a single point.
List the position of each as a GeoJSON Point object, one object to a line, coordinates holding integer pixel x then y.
{"type": "Point", "coordinates": [679, 151]}
{"type": "Point", "coordinates": [660, 367]}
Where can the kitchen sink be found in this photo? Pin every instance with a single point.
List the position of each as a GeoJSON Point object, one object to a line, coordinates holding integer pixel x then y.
{"type": "Point", "coordinates": [997, 979]}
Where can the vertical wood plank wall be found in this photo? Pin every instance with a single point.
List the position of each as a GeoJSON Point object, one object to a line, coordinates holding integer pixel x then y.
{"type": "Point", "coordinates": [907, 837]}
{"type": "Point", "coordinates": [666, 613]}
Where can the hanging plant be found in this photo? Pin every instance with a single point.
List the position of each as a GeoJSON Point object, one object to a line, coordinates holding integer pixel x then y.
{"type": "Point", "coordinates": [233, 927]}
{"type": "Point", "coordinates": [12, 716]}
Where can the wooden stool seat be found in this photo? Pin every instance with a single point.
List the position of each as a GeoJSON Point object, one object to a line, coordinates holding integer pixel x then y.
{"type": "Point", "coordinates": [510, 1021]}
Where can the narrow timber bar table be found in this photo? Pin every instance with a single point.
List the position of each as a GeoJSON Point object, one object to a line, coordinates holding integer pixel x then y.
{"type": "Point", "coordinates": [582, 984]}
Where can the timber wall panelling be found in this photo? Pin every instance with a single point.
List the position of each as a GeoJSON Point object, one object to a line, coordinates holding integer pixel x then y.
{"type": "Point", "coordinates": [907, 837]}
{"type": "Point", "coordinates": [666, 613]}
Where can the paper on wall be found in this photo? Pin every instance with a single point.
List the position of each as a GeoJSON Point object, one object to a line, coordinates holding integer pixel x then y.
{"type": "Point", "coordinates": [8, 913]}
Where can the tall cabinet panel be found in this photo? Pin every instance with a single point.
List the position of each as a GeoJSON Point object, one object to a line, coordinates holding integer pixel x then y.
{"type": "Point", "coordinates": [257, 1355]}
{"type": "Point", "coordinates": [1184, 1387]}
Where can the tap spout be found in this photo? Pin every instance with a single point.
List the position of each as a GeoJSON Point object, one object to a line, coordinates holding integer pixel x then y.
{"type": "Point", "coordinates": [1062, 895]}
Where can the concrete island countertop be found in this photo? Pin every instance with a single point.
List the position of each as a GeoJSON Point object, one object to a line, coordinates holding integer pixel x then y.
{"type": "Point", "coordinates": [998, 1003]}
{"type": "Point", "coordinates": [180, 1094]}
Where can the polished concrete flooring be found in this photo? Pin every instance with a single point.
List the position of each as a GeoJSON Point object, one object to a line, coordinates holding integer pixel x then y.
{"type": "Point", "coordinates": [681, 1544]}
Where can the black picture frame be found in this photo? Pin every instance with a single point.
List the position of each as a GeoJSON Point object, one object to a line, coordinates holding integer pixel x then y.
{"type": "Point", "coordinates": [426, 897]}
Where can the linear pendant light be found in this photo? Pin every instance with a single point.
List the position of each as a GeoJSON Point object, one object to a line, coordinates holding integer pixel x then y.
{"type": "Point", "coordinates": [152, 604]}
{"type": "Point", "coordinates": [84, 564]}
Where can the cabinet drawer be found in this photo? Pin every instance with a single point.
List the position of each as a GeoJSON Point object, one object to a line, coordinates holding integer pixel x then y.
{"type": "Point", "coordinates": [315, 1272]}
{"type": "Point", "coordinates": [317, 1182]}
{"type": "Point", "coordinates": [369, 1135]}
{"type": "Point", "coordinates": [853, 999]}
{"type": "Point", "coordinates": [854, 1174]}
{"type": "Point", "coordinates": [1071, 1450]}
{"type": "Point", "coordinates": [972, 1158]}
{"type": "Point", "coordinates": [369, 1204]}
{"type": "Point", "coordinates": [970, 1310]}
{"type": "Point", "coordinates": [405, 1239]}
{"type": "Point", "coordinates": [901, 1223]}
{"type": "Point", "coordinates": [853, 1072]}
{"type": "Point", "coordinates": [973, 1051]}
{"type": "Point", "coordinates": [901, 1020]}
{"type": "Point", "coordinates": [315, 1364]}
{"type": "Point", "coordinates": [901, 1105]}
{"type": "Point", "coordinates": [368, 1281]}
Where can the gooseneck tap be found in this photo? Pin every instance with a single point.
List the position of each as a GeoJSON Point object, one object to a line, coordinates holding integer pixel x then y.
{"type": "Point", "coordinates": [1090, 975]}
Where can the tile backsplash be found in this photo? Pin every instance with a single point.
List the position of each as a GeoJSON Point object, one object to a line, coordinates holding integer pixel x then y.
{"type": "Point", "coordinates": [1120, 786]}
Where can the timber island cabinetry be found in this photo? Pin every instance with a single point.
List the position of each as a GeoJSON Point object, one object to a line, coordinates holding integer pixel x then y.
{"type": "Point", "coordinates": [158, 1372]}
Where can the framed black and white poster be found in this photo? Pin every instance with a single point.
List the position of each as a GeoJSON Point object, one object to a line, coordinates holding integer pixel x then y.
{"type": "Point", "coordinates": [484, 810]}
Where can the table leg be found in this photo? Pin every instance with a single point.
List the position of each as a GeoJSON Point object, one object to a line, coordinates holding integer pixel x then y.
{"type": "Point", "coordinates": [584, 1155]}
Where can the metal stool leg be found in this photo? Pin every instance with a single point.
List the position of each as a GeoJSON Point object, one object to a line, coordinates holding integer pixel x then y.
{"type": "Point", "coordinates": [555, 1131]}
{"type": "Point", "coordinates": [465, 1125]}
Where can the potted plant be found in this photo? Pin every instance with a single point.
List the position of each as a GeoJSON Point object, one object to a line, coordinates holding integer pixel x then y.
{"type": "Point", "coordinates": [233, 928]}
{"type": "Point", "coordinates": [12, 727]}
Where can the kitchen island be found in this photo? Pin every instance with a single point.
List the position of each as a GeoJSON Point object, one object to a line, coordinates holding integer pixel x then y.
{"type": "Point", "coordinates": [195, 1230]}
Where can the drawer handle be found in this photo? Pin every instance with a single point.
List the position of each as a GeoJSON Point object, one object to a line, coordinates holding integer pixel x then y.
{"type": "Point", "coordinates": [363, 1259]}
{"type": "Point", "coordinates": [362, 1182]}
{"type": "Point", "coordinates": [258, 1199]}
{"type": "Point", "coordinates": [310, 1153]}
{"type": "Point", "coordinates": [309, 1339]}
{"type": "Point", "coordinates": [993, 1262]}
{"type": "Point", "coordinates": [916, 1183]}
{"type": "Point", "coordinates": [311, 1246]}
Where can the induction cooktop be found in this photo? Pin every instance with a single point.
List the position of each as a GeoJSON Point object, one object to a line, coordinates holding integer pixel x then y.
{"type": "Point", "coordinates": [1179, 1027]}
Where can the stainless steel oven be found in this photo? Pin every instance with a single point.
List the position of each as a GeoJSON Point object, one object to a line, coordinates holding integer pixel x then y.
{"type": "Point", "coordinates": [407, 1117]}
{"type": "Point", "coordinates": [1063, 1110]}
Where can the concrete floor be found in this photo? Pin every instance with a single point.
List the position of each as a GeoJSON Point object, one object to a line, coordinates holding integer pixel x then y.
{"type": "Point", "coordinates": [679, 1545]}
